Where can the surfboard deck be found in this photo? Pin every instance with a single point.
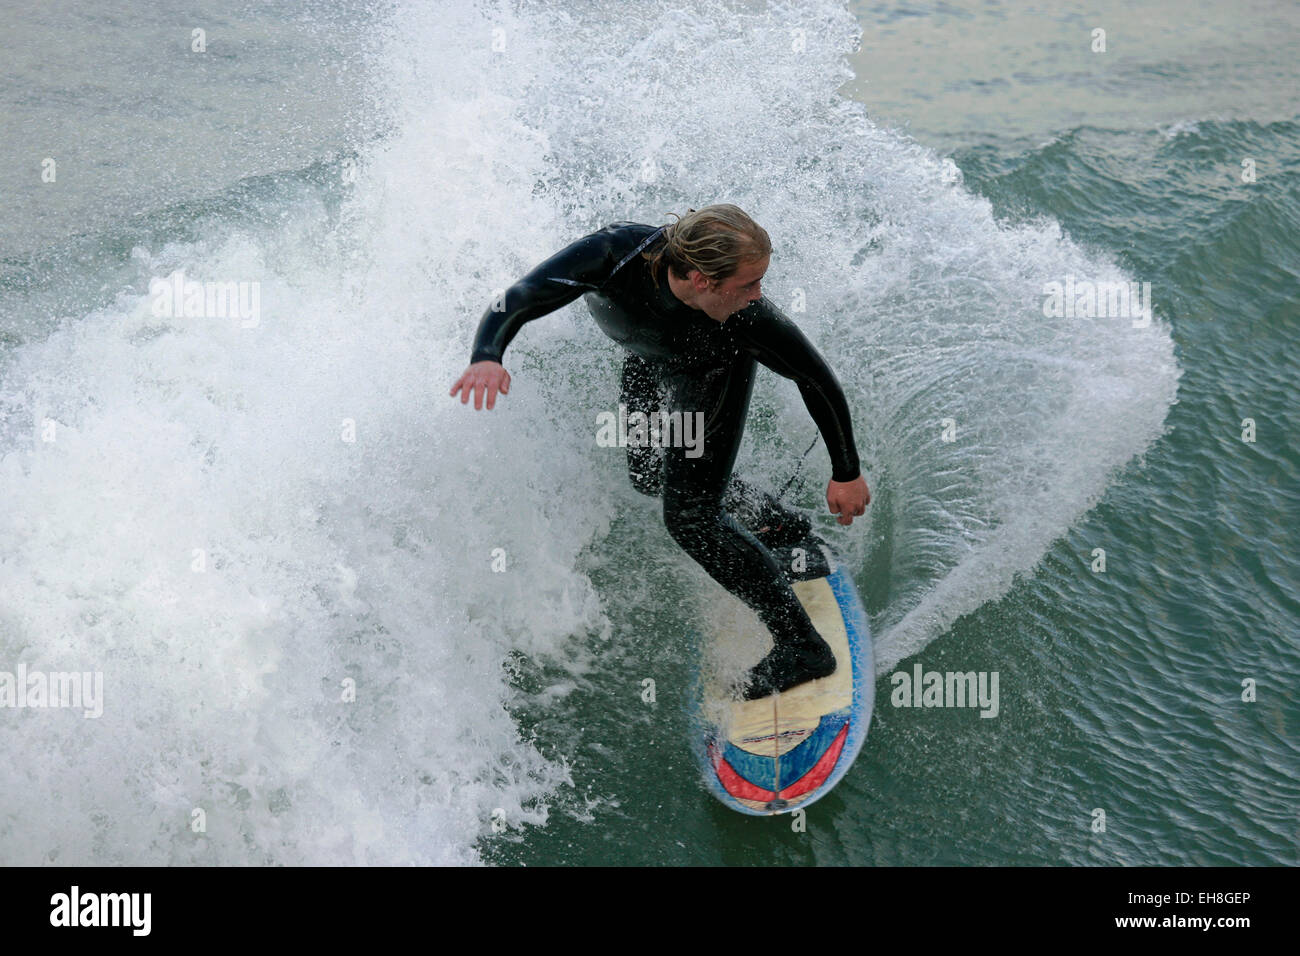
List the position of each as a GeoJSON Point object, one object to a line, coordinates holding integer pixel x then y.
{"type": "Point", "coordinates": [783, 752]}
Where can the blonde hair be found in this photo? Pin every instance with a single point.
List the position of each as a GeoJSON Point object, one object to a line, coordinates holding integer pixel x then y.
{"type": "Point", "coordinates": [715, 240]}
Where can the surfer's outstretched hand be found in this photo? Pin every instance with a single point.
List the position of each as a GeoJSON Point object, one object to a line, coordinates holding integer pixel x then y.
{"type": "Point", "coordinates": [489, 377]}
{"type": "Point", "coordinates": [848, 499]}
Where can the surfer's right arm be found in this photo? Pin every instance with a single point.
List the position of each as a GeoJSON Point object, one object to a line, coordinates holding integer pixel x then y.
{"type": "Point", "coordinates": [577, 268]}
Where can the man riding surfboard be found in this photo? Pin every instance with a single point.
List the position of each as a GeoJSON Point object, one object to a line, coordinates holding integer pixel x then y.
{"type": "Point", "coordinates": [685, 302]}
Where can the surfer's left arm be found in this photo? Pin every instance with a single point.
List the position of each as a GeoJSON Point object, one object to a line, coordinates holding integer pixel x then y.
{"type": "Point", "coordinates": [775, 341]}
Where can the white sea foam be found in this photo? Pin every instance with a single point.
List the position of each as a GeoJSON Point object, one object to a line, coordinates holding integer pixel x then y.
{"type": "Point", "coordinates": [325, 560]}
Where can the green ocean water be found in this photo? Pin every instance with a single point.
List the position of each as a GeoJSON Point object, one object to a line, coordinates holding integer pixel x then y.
{"type": "Point", "coordinates": [1121, 691]}
{"type": "Point", "coordinates": [493, 588]}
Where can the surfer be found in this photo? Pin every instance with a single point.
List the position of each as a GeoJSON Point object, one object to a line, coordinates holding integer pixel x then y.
{"type": "Point", "coordinates": [685, 301]}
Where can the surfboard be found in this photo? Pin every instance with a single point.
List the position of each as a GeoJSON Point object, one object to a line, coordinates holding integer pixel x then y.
{"type": "Point", "coordinates": [783, 752]}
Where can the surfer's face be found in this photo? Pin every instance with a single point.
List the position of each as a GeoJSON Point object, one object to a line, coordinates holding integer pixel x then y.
{"type": "Point", "coordinates": [721, 299]}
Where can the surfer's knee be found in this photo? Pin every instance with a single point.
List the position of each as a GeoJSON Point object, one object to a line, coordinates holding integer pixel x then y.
{"type": "Point", "coordinates": [689, 524]}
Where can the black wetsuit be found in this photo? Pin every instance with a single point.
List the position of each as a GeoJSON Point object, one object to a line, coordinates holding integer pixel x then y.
{"type": "Point", "coordinates": [681, 359]}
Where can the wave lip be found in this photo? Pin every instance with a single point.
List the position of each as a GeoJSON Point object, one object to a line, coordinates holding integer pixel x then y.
{"type": "Point", "coordinates": [327, 558]}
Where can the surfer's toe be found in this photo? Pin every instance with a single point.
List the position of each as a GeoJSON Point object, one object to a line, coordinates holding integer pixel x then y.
{"type": "Point", "coordinates": [788, 666]}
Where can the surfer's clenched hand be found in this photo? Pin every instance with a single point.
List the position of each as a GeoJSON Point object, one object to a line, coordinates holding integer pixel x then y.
{"type": "Point", "coordinates": [490, 377]}
{"type": "Point", "coordinates": [848, 499]}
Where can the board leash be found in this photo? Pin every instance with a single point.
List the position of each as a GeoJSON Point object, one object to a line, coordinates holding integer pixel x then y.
{"type": "Point", "coordinates": [797, 468]}
{"type": "Point", "coordinates": [776, 746]}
